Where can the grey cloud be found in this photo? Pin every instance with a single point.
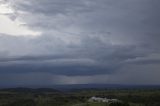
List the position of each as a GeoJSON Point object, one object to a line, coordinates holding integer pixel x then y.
{"type": "Point", "coordinates": [53, 7]}
{"type": "Point", "coordinates": [84, 38]}
{"type": "Point", "coordinates": [91, 57]}
{"type": "Point", "coordinates": [127, 21]}
{"type": "Point", "coordinates": [151, 59]}
{"type": "Point", "coordinates": [26, 79]}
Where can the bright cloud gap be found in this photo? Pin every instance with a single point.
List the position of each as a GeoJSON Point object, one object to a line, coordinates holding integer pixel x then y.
{"type": "Point", "coordinates": [13, 27]}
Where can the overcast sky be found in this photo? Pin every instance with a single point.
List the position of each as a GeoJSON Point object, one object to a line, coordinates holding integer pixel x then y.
{"type": "Point", "coordinates": [47, 42]}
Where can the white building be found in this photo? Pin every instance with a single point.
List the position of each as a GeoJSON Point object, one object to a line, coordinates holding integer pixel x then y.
{"type": "Point", "coordinates": [99, 99]}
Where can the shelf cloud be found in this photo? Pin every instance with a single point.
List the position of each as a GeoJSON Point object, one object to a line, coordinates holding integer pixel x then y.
{"type": "Point", "coordinates": [79, 42]}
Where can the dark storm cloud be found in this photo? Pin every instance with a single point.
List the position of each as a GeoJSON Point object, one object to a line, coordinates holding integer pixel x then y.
{"type": "Point", "coordinates": [84, 38]}
{"type": "Point", "coordinates": [85, 60]}
{"type": "Point", "coordinates": [33, 58]}
{"type": "Point", "coordinates": [128, 21]}
{"type": "Point", "coordinates": [145, 60]}
{"type": "Point", "coordinates": [91, 57]}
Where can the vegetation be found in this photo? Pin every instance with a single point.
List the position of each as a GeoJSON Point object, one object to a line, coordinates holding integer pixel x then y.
{"type": "Point", "coordinates": [50, 97]}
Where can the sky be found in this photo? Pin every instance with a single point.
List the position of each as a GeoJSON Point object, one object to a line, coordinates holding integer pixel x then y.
{"type": "Point", "coordinates": [48, 42]}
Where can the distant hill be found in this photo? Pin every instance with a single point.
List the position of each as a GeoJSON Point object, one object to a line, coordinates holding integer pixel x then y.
{"type": "Point", "coordinates": [33, 90]}
{"type": "Point", "coordinates": [103, 86]}
{"type": "Point", "coordinates": [73, 87]}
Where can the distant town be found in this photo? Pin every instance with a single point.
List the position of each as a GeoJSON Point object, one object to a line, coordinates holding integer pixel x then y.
{"type": "Point", "coordinates": [105, 100]}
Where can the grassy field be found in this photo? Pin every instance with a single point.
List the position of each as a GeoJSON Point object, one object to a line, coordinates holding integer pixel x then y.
{"type": "Point", "coordinates": [30, 97]}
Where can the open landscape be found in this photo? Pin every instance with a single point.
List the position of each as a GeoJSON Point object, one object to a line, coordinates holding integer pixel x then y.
{"type": "Point", "coordinates": [79, 52]}
{"type": "Point", "coordinates": [79, 97]}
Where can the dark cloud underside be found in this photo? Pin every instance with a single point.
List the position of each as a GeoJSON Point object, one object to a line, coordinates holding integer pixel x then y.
{"type": "Point", "coordinates": [103, 41]}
